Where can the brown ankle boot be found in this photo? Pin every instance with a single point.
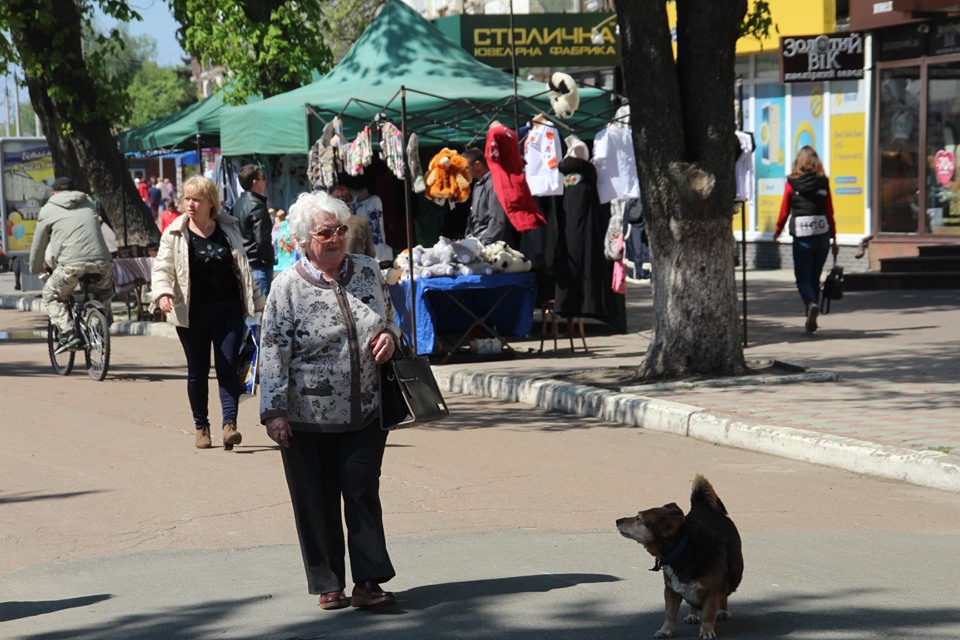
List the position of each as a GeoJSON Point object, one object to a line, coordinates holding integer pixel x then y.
{"type": "Point", "coordinates": [203, 438]}
{"type": "Point", "coordinates": [231, 436]}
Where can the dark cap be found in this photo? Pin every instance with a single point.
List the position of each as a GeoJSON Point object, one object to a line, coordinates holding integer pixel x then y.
{"type": "Point", "coordinates": [63, 183]}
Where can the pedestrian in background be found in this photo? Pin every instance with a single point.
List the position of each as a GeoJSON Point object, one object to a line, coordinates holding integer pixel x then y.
{"type": "Point", "coordinates": [284, 244]}
{"type": "Point", "coordinates": [169, 214]}
{"type": "Point", "coordinates": [255, 225]}
{"type": "Point", "coordinates": [202, 282]}
{"type": "Point", "coordinates": [807, 210]}
{"type": "Point", "coordinates": [359, 236]}
{"type": "Point", "coordinates": [328, 324]}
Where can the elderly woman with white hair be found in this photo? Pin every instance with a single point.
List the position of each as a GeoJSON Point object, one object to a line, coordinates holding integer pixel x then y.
{"type": "Point", "coordinates": [327, 325]}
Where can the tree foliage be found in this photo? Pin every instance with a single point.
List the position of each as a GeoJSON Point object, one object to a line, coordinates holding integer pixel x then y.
{"type": "Point", "coordinates": [350, 18]}
{"type": "Point", "coordinates": [76, 99]}
{"type": "Point", "coordinates": [268, 46]}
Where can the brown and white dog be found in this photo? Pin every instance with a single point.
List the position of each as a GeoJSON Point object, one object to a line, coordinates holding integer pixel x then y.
{"type": "Point", "coordinates": [699, 555]}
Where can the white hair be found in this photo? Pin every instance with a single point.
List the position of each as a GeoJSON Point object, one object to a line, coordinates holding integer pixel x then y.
{"type": "Point", "coordinates": [309, 207]}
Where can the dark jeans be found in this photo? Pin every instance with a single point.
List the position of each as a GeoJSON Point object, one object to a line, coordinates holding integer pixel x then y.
{"type": "Point", "coordinates": [220, 323]}
{"type": "Point", "coordinates": [809, 256]}
{"type": "Point", "coordinates": [322, 469]}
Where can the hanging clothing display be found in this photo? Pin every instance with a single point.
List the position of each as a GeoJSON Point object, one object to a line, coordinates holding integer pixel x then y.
{"type": "Point", "coordinates": [745, 168]}
{"type": "Point", "coordinates": [616, 164]}
{"type": "Point", "coordinates": [360, 153]}
{"type": "Point", "coordinates": [541, 151]}
{"type": "Point", "coordinates": [583, 273]}
{"type": "Point", "coordinates": [502, 153]}
{"type": "Point", "coordinates": [322, 162]}
{"type": "Point", "coordinates": [391, 148]}
{"type": "Point", "coordinates": [413, 158]}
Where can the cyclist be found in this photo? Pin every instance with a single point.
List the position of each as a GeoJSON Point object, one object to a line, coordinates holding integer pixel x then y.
{"type": "Point", "coordinates": [68, 238]}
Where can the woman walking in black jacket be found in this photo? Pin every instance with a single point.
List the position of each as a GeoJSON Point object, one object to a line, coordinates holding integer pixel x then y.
{"type": "Point", "coordinates": [808, 207]}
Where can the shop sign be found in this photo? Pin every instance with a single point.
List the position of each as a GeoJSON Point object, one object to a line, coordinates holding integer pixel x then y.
{"type": "Point", "coordinates": [542, 40]}
{"type": "Point", "coordinates": [837, 56]}
{"type": "Point", "coordinates": [946, 166]}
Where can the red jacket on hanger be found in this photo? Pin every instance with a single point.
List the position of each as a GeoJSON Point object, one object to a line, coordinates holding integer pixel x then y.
{"type": "Point", "coordinates": [509, 182]}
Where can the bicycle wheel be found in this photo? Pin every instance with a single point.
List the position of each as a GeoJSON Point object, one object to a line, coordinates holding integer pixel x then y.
{"type": "Point", "coordinates": [97, 351]}
{"type": "Point", "coordinates": [62, 362]}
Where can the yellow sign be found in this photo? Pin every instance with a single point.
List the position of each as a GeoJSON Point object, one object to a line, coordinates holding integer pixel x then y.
{"type": "Point", "coordinates": [847, 160]}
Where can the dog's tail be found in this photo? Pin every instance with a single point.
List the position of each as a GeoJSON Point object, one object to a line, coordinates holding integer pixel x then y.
{"type": "Point", "coordinates": [703, 492]}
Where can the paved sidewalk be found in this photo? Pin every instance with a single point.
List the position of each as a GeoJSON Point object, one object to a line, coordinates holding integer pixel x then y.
{"type": "Point", "coordinates": [891, 410]}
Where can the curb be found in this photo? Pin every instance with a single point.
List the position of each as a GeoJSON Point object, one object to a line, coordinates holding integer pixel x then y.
{"type": "Point", "coordinates": [924, 468]}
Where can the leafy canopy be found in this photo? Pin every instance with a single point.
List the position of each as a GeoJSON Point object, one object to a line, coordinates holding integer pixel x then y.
{"type": "Point", "coordinates": [268, 46]}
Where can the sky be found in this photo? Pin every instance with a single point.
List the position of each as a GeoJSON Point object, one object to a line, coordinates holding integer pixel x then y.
{"type": "Point", "coordinates": [157, 22]}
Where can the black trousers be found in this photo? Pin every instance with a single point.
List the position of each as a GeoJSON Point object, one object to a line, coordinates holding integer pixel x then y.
{"type": "Point", "coordinates": [322, 469]}
{"type": "Point", "coordinates": [219, 323]}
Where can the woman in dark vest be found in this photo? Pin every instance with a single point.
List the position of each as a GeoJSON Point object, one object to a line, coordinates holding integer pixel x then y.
{"type": "Point", "coordinates": [809, 208]}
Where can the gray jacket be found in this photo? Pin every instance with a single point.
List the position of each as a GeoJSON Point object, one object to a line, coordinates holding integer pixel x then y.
{"type": "Point", "coordinates": [487, 221]}
{"type": "Point", "coordinates": [68, 223]}
{"type": "Point", "coordinates": [316, 365]}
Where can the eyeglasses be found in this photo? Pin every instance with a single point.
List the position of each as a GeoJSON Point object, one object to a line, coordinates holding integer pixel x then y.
{"type": "Point", "coordinates": [326, 234]}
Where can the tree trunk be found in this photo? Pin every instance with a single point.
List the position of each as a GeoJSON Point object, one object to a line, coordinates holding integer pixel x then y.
{"type": "Point", "coordinates": [63, 95]}
{"type": "Point", "coordinates": [682, 116]}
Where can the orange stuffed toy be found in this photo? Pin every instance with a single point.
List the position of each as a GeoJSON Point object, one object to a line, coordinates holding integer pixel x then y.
{"type": "Point", "coordinates": [448, 178]}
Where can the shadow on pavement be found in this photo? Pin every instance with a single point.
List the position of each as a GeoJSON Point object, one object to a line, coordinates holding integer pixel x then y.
{"type": "Point", "coordinates": [17, 610]}
{"type": "Point", "coordinates": [33, 497]}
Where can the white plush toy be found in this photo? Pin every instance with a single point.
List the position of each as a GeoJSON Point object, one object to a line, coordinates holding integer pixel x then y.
{"type": "Point", "coordinates": [564, 95]}
{"type": "Point", "coordinates": [505, 259]}
{"type": "Point", "coordinates": [476, 269]}
{"type": "Point", "coordinates": [468, 250]}
{"type": "Point", "coordinates": [440, 253]}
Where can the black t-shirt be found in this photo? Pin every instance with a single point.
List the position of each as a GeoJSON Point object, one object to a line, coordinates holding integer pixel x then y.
{"type": "Point", "coordinates": [212, 276]}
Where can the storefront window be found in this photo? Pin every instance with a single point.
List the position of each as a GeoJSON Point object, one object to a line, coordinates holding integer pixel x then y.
{"type": "Point", "coordinates": [898, 129]}
{"type": "Point", "coordinates": [943, 145]}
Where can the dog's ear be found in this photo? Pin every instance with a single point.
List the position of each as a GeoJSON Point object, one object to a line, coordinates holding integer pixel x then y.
{"type": "Point", "coordinates": [673, 508]}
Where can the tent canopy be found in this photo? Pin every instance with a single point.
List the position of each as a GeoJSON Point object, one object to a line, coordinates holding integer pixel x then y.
{"type": "Point", "coordinates": [451, 97]}
{"type": "Point", "coordinates": [179, 130]}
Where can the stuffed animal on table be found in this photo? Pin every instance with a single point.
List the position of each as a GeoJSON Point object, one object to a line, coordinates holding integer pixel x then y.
{"type": "Point", "coordinates": [564, 94]}
{"type": "Point", "coordinates": [448, 178]}
{"type": "Point", "coordinates": [505, 259]}
{"type": "Point", "coordinates": [440, 253]}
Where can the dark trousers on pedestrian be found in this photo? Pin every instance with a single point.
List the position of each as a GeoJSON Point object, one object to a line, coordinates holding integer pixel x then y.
{"type": "Point", "coordinates": [322, 469]}
{"type": "Point", "coordinates": [809, 256]}
{"type": "Point", "coordinates": [220, 324]}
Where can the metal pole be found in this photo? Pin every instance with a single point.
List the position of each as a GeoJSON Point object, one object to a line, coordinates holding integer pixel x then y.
{"type": "Point", "coordinates": [16, 99]}
{"type": "Point", "coordinates": [743, 220]}
{"type": "Point", "coordinates": [513, 70]}
{"type": "Point", "coordinates": [408, 206]}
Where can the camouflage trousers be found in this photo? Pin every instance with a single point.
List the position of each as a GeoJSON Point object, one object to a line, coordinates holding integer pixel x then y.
{"type": "Point", "coordinates": [63, 281]}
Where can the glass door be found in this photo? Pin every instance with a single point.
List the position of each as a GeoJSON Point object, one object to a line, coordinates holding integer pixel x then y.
{"type": "Point", "coordinates": [898, 129]}
{"type": "Point", "coordinates": [943, 146]}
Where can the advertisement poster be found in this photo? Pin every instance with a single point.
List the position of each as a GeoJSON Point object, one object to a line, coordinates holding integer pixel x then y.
{"type": "Point", "coordinates": [807, 106]}
{"type": "Point", "coordinates": [770, 154]}
{"type": "Point", "coordinates": [848, 148]}
{"type": "Point", "coordinates": [27, 173]}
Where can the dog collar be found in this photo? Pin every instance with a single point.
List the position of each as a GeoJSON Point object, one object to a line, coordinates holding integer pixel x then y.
{"type": "Point", "coordinates": [672, 557]}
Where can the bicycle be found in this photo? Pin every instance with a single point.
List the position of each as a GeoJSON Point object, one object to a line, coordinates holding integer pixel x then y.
{"type": "Point", "coordinates": [89, 320]}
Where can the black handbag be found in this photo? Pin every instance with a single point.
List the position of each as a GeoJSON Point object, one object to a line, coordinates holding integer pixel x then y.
{"type": "Point", "coordinates": [409, 393]}
{"type": "Point", "coordinates": [832, 287]}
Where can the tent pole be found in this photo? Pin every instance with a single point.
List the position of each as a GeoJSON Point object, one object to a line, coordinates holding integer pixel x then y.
{"type": "Point", "coordinates": [408, 205]}
{"type": "Point", "coordinates": [514, 71]}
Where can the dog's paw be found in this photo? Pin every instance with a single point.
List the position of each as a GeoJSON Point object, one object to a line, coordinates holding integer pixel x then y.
{"type": "Point", "coordinates": [691, 619]}
{"type": "Point", "coordinates": [663, 634]}
{"type": "Point", "coordinates": [708, 635]}
{"type": "Point", "coordinates": [724, 615]}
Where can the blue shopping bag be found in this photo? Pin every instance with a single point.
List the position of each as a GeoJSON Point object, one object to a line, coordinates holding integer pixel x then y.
{"type": "Point", "coordinates": [249, 359]}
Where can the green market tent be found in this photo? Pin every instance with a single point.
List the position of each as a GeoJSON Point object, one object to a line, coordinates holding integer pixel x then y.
{"type": "Point", "coordinates": [450, 96]}
{"type": "Point", "coordinates": [196, 125]}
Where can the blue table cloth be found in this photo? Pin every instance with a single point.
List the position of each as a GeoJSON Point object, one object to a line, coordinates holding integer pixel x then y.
{"type": "Point", "coordinates": [437, 314]}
